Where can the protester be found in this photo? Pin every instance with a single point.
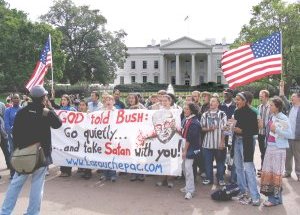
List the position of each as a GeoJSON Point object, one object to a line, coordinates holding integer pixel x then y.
{"type": "Point", "coordinates": [65, 104]}
{"type": "Point", "coordinates": [264, 115]}
{"type": "Point", "coordinates": [94, 104]}
{"type": "Point", "coordinates": [196, 95]}
{"type": "Point", "coordinates": [278, 132]}
{"type": "Point", "coordinates": [245, 128]}
{"type": "Point", "coordinates": [8, 103]}
{"type": "Point", "coordinates": [191, 133]}
{"type": "Point", "coordinates": [133, 103]}
{"type": "Point", "coordinates": [118, 103]}
{"type": "Point", "coordinates": [213, 122]}
{"type": "Point", "coordinates": [157, 105]}
{"type": "Point", "coordinates": [9, 118]}
{"type": "Point", "coordinates": [109, 103]}
{"type": "Point", "coordinates": [293, 151]}
{"type": "Point", "coordinates": [4, 136]}
{"type": "Point", "coordinates": [41, 119]}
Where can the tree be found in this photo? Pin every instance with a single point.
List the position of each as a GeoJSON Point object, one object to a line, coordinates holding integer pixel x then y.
{"type": "Point", "coordinates": [20, 44]}
{"type": "Point", "coordinates": [93, 53]}
{"type": "Point", "coordinates": [275, 15]}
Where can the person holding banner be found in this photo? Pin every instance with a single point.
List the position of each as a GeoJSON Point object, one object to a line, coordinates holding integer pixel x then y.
{"type": "Point", "coordinates": [65, 104]}
{"type": "Point", "coordinates": [109, 103]}
{"type": "Point", "coordinates": [133, 103]}
{"type": "Point", "coordinates": [191, 134]}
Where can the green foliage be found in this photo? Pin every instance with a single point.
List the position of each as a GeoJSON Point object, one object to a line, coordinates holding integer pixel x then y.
{"type": "Point", "coordinates": [92, 52]}
{"type": "Point", "coordinates": [21, 42]}
{"type": "Point", "coordinates": [270, 16]}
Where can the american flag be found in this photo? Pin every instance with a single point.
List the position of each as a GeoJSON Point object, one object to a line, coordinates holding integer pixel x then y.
{"type": "Point", "coordinates": [45, 61]}
{"type": "Point", "coordinates": [254, 61]}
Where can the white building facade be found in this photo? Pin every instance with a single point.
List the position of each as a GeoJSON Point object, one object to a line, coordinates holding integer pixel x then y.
{"type": "Point", "coordinates": [184, 61]}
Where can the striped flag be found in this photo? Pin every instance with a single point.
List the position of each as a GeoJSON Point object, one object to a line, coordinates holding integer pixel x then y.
{"type": "Point", "coordinates": [45, 61]}
{"type": "Point", "coordinates": [254, 61]}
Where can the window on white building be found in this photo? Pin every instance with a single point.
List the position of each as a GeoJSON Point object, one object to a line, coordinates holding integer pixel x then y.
{"type": "Point", "coordinates": [219, 64]}
{"type": "Point", "coordinates": [156, 64]}
{"type": "Point", "coordinates": [173, 80]}
{"type": "Point", "coordinates": [187, 83]}
{"type": "Point", "coordinates": [219, 79]}
{"type": "Point", "coordinates": [132, 79]}
{"type": "Point", "coordinates": [144, 79]}
{"type": "Point", "coordinates": [121, 79]}
{"type": "Point", "coordinates": [156, 79]}
{"type": "Point", "coordinates": [132, 64]}
{"type": "Point", "coordinates": [144, 64]}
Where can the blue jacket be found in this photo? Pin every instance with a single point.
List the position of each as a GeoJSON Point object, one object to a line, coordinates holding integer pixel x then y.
{"type": "Point", "coordinates": [9, 118]}
{"type": "Point", "coordinates": [193, 137]}
{"type": "Point", "coordinates": [283, 134]}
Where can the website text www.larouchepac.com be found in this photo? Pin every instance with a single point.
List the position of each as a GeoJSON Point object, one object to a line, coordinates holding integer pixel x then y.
{"type": "Point", "coordinates": [112, 165]}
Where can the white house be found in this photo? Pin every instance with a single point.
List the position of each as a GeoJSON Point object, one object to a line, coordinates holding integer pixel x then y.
{"type": "Point", "coordinates": [184, 61]}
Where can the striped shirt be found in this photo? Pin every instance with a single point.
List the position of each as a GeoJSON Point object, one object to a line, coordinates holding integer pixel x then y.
{"type": "Point", "coordinates": [264, 113]}
{"type": "Point", "coordinates": [212, 139]}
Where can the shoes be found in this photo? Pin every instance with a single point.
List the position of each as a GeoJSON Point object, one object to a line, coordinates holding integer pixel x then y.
{"type": "Point", "coordinates": [256, 202]}
{"type": "Point", "coordinates": [170, 184]}
{"type": "Point", "coordinates": [203, 175]}
{"type": "Point", "coordinates": [245, 200]}
{"type": "Point", "coordinates": [113, 179]}
{"type": "Point", "coordinates": [87, 176]}
{"type": "Point", "coordinates": [64, 175]}
{"type": "Point", "coordinates": [103, 178]}
{"type": "Point", "coordinates": [206, 182]}
{"type": "Point", "coordinates": [286, 175]}
{"type": "Point", "coordinates": [183, 190]}
{"type": "Point", "coordinates": [238, 196]}
{"type": "Point", "coordinates": [47, 173]}
{"type": "Point", "coordinates": [188, 196]}
{"type": "Point", "coordinates": [159, 183]}
{"type": "Point", "coordinates": [222, 183]}
{"type": "Point", "coordinates": [141, 178]}
{"type": "Point", "coordinates": [133, 178]}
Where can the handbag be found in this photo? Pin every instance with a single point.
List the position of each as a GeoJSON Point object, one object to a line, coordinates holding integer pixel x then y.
{"type": "Point", "coordinates": [29, 159]}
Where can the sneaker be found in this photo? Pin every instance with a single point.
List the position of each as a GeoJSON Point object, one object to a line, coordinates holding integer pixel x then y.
{"type": "Point", "coordinates": [47, 173]}
{"type": "Point", "coordinates": [203, 175]}
{"type": "Point", "coordinates": [133, 178]}
{"type": "Point", "coordinates": [238, 196]}
{"type": "Point", "coordinates": [141, 178]}
{"type": "Point", "coordinates": [159, 183]}
{"type": "Point", "coordinates": [222, 183]}
{"type": "Point", "coordinates": [256, 202]}
{"type": "Point", "coordinates": [188, 196]}
{"type": "Point", "coordinates": [64, 175]}
{"type": "Point", "coordinates": [113, 179]}
{"type": "Point", "coordinates": [245, 200]}
{"type": "Point", "coordinates": [170, 184]}
{"type": "Point", "coordinates": [286, 175]}
{"type": "Point", "coordinates": [183, 190]}
{"type": "Point", "coordinates": [206, 182]}
{"type": "Point", "coordinates": [103, 178]}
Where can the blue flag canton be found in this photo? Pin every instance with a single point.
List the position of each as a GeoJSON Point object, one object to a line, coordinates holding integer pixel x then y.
{"type": "Point", "coordinates": [43, 56]}
{"type": "Point", "coordinates": [267, 46]}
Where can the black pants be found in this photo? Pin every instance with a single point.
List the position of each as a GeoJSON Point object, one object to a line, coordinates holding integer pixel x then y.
{"type": "Point", "coordinates": [66, 169]}
{"type": "Point", "coordinates": [262, 147]}
{"type": "Point", "coordinates": [4, 147]}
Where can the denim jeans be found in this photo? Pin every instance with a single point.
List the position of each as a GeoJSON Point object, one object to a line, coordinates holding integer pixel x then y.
{"type": "Point", "coordinates": [36, 192]}
{"type": "Point", "coordinates": [276, 199]}
{"type": "Point", "coordinates": [238, 160]}
{"type": "Point", "coordinates": [251, 180]}
{"type": "Point", "coordinates": [220, 156]}
{"type": "Point", "coordinates": [189, 175]}
{"type": "Point", "coordinates": [10, 144]}
{"type": "Point", "coordinates": [110, 174]}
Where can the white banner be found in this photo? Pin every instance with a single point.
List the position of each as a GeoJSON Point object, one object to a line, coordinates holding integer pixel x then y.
{"type": "Point", "coordinates": [134, 141]}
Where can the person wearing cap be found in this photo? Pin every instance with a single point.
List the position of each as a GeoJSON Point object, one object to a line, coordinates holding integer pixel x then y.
{"type": "Point", "coordinates": [9, 118]}
{"type": "Point", "coordinates": [246, 127]}
{"type": "Point", "coordinates": [41, 119]}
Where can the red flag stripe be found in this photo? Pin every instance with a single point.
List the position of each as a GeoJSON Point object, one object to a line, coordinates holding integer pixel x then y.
{"type": "Point", "coordinates": [235, 51]}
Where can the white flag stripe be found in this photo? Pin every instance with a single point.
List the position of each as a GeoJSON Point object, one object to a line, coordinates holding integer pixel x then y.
{"type": "Point", "coordinates": [226, 59]}
{"type": "Point", "coordinates": [234, 50]}
{"type": "Point", "coordinates": [252, 69]}
{"type": "Point", "coordinates": [255, 74]}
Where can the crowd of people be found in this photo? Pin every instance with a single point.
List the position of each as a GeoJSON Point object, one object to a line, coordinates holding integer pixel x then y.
{"type": "Point", "coordinates": [224, 132]}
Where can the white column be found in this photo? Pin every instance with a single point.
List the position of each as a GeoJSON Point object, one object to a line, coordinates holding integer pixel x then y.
{"type": "Point", "coordinates": [193, 76]}
{"type": "Point", "coordinates": [209, 68]}
{"type": "Point", "coordinates": [177, 70]}
{"type": "Point", "coordinates": [166, 71]}
{"type": "Point", "coordinates": [162, 69]}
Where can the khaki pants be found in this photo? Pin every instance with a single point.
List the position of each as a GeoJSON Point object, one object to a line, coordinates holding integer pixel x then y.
{"type": "Point", "coordinates": [293, 151]}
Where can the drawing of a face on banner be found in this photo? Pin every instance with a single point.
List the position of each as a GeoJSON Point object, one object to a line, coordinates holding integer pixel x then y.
{"type": "Point", "coordinates": [164, 125]}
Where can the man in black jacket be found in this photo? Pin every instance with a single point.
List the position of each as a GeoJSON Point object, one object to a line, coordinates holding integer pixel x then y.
{"type": "Point", "coordinates": [32, 124]}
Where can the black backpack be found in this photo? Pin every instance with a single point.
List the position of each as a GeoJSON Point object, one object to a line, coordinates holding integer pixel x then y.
{"type": "Point", "coordinates": [226, 192]}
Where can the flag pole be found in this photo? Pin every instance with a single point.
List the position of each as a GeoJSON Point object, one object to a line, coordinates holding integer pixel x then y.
{"type": "Point", "coordinates": [52, 79]}
{"type": "Point", "coordinates": [281, 54]}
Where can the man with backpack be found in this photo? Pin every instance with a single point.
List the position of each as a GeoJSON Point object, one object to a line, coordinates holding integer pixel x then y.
{"type": "Point", "coordinates": [32, 125]}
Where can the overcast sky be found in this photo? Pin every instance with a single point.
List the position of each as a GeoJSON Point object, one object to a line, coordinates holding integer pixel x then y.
{"type": "Point", "coordinates": [144, 20]}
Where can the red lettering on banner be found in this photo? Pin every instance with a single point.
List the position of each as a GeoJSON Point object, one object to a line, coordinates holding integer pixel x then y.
{"type": "Point", "coordinates": [133, 117]}
{"type": "Point", "coordinates": [116, 151]}
{"type": "Point", "coordinates": [70, 117]}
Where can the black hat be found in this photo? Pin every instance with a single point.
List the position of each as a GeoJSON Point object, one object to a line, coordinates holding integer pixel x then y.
{"type": "Point", "coordinates": [228, 91]}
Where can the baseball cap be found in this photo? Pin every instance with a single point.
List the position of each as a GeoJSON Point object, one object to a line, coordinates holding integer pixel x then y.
{"type": "Point", "coordinates": [38, 91]}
